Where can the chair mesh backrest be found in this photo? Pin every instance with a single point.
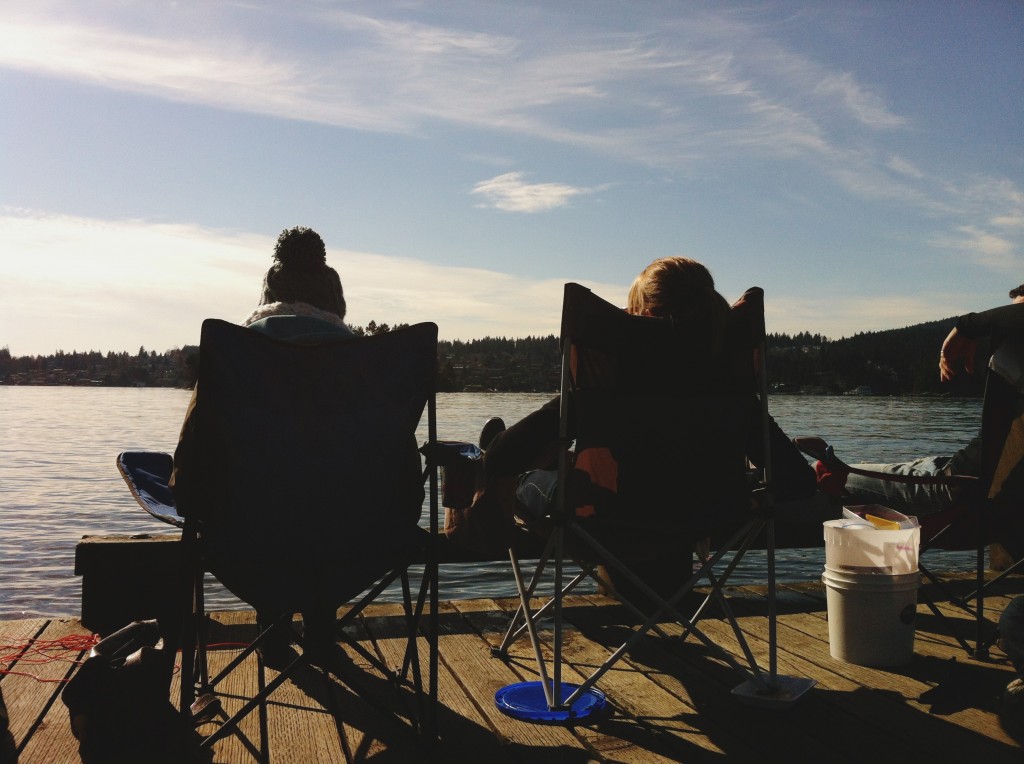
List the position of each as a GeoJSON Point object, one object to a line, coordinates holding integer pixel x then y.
{"type": "Point", "coordinates": [659, 420]}
{"type": "Point", "coordinates": [307, 459]}
{"type": "Point", "coordinates": [1002, 438]}
{"type": "Point", "coordinates": [1001, 477]}
{"type": "Point", "coordinates": [1002, 443]}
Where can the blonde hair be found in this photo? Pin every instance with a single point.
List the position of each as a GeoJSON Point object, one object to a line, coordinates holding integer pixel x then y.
{"type": "Point", "coordinates": [683, 290]}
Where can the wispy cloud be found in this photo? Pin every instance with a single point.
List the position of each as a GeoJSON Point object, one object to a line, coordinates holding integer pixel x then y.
{"type": "Point", "coordinates": [701, 89]}
{"type": "Point", "coordinates": [229, 73]}
{"type": "Point", "coordinates": [994, 237]}
{"type": "Point", "coordinates": [985, 248]}
{"type": "Point", "coordinates": [867, 107]}
{"type": "Point", "coordinates": [510, 192]}
{"type": "Point", "coordinates": [70, 283]}
{"type": "Point", "coordinates": [680, 92]}
{"type": "Point", "coordinates": [650, 96]}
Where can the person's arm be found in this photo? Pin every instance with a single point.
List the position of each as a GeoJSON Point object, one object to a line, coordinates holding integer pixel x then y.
{"type": "Point", "coordinates": [1006, 319]}
{"type": "Point", "coordinates": [962, 343]}
{"type": "Point", "coordinates": [955, 348]}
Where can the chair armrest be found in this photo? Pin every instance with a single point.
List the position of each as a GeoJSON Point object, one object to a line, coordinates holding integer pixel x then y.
{"type": "Point", "coordinates": [147, 474]}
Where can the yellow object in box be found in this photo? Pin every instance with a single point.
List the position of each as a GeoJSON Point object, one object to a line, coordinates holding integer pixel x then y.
{"type": "Point", "coordinates": [880, 517]}
{"type": "Point", "coordinates": [882, 524]}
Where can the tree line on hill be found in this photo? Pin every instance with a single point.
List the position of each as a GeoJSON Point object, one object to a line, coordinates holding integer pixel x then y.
{"type": "Point", "coordinates": [894, 362]}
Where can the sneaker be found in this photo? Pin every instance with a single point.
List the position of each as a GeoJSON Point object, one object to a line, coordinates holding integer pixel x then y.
{"type": "Point", "coordinates": [492, 428]}
{"type": "Point", "coordinates": [321, 649]}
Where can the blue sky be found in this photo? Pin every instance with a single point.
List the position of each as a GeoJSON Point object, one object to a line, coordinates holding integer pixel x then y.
{"type": "Point", "coordinates": [861, 161]}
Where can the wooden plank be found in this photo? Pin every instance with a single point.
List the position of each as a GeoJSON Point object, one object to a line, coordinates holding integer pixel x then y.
{"type": "Point", "coordinates": [464, 734]}
{"type": "Point", "coordinates": [366, 703]}
{"type": "Point", "coordinates": [467, 653]}
{"type": "Point", "coordinates": [649, 724]}
{"type": "Point", "coordinates": [820, 636]}
{"type": "Point", "coordinates": [301, 724]}
{"type": "Point", "coordinates": [690, 672]}
{"type": "Point", "coordinates": [918, 681]}
{"type": "Point", "coordinates": [228, 631]}
{"type": "Point", "coordinates": [940, 689]}
{"type": "Point", "coordinates": [804, 732]}
{"type": "Point", "coordinates": [671, 700]}
{"type": "Point", "coordinates": [895, 692]}
{"type": "Point", "coordinates": [39, 720]}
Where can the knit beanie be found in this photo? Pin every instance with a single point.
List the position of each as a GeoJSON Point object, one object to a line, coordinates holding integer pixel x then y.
{"type": "Point", "coordinates": [300, 273]}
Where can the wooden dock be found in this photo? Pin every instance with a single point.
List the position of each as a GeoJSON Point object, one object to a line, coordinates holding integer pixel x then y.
{"type": "Point", "coordinates": [670, 701]}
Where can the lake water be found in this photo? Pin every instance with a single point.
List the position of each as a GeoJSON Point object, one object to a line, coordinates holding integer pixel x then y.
{"type": "Point", "coordinates": [58, 481]}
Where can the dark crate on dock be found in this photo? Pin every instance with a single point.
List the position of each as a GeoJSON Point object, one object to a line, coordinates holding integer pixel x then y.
{"type": "Point", "coordinates": [128, 578]}
{"type": "Point", "coordinates": [132, 578]}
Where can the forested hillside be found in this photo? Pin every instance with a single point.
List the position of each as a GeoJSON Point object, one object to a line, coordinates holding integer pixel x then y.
{"type": "Point", "coordinates": [894, 362]}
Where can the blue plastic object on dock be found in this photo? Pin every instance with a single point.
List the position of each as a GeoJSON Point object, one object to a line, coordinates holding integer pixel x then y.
{"type": "Point", "coordinates": [527, 702]}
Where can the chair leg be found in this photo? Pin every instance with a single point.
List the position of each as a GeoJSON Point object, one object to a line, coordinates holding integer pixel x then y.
{"type": "Point", "coordinates": [189, 646]}
{"type": "Point", "coordinates": [524, 600]}
{"type": "Point", "coordinates": [782, 691]}
{"type": "Point", "coordinates": [982, 624]}
{"type": "Point", "coordinates": [517, 625]}
{"type": "Point", "coordinates": [195, 697]}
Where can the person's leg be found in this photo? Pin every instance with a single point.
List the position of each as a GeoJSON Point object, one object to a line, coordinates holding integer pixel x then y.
{"type": "Point", "coordinates": [492, 428]}
{"type": "Point", "coordinates": [530, 443]}
{"type": "Point", "coordinates": [318, 623]}
{"type": "Point", "coordinates": [276, 648]}
{"type": "Point", "coordinates": [486, 525]}
{"type": "Point", "coordinates": [535, 493]}
{"type": "Point", "coordinates": [904, 497]}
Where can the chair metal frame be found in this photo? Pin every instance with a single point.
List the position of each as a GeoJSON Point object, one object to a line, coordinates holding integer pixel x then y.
{"type": "Point", "coordinates": [147, 475]}
{"type": "Point", "coordinates": [759, 686]}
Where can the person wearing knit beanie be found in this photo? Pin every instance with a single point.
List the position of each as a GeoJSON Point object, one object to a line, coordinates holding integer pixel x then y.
{"type": "Point", "coordinates": [300, 277]}
{"type": "Point", "coordinates": [301, 302]}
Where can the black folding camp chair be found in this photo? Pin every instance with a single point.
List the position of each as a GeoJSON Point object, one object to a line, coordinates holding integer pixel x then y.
{"type": "Point", "coordinates": [302, 488]}
{"type": "Point", "coordinates": [989, 507]}
{"type": "Point", "coordinates": [660, 426]}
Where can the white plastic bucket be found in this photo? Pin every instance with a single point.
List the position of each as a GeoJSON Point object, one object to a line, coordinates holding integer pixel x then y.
{"type": "Point", "coordinates": [871, 617]}
{"type": "Point", "coordinates": [854, 548]}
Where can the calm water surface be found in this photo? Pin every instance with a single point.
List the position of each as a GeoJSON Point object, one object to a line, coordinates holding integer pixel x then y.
{"type": "Point", "coordinates": [58, 481]}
